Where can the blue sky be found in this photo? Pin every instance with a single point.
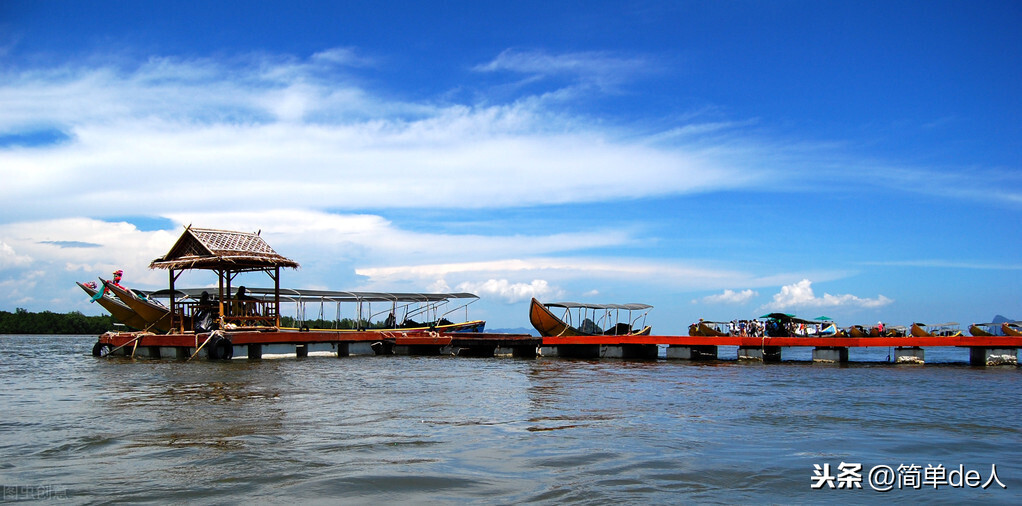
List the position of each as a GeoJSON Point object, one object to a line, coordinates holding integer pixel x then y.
{"type": "Point", "coordinates": [714, 159]}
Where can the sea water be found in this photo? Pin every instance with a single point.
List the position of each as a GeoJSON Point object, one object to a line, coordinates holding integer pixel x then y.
{"type": "Point", "coordinates": [366, 429]}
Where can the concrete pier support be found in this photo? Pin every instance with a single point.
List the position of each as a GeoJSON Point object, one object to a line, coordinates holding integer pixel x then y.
{"type": "Point", "coordinates": [708, 352]}
{"type": "Point", "coordinates": [769, 354]}
{"type": "Point", "coordinates": [419, 350]}
{"type": "Point", "coordinates": [255, 352]}
{"type": "Point", "coordinates": [343, 350]}
{"type": "Point", "coordinates": [516, 351]}
{"type": "Point", "coordinates": [302, 350]}
{"type": "Point", "coordinates": [909, 355]}
{"type": "Point", "coordinates": [993, 356]}
{"type": "Point", "coordinates": [644, 351]}
{"type": "Point", "coordinates": [572, 351]}
{"type": "Point", "coordinates": [830, 355]}
{"type": "Point", "coordinates": [602, 351]}
{"type": "Point", "coordinates": [478, 351]}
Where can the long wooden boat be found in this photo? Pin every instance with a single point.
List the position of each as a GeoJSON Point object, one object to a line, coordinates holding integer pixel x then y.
{"type": "Point", "coordinates": [405, 312]}
{"type": "Point", "coordinates": [549, 325]}
{"type": "Point", "coordinates": [710, 329]}
{"type": "Point", "coordinates": [949, 329]}
{"type": "Point", "coordinates": [156, 315]}
{"type": "Point", "coordinates": [977, 329]}
{"type": "Point", "coordinates": [1011, 329]}
{"type": "Point", "coordinates": [447, 328]}
{"type": "Point", "coordinates": [858, 331]}
{"type": "Point", "coordinates": [117, 309]}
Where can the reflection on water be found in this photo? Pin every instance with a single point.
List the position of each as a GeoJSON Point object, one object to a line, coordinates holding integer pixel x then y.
{"type": "Point", "coordinates": [450, 430]}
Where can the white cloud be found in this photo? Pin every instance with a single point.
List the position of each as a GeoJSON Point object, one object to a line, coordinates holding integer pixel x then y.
{"type": "Point", "coordinates": [238, 133]}
{"type": "Point", "coordinates": [9, 258]}
{"type": "Point", "coordinates": [801, 295]}
{"type": "Point", "coordinates": [86, 248]}
{"type": "Point", "coordinates": [511, 292]}
{"type": "Point", "coordinates": [602, 69]}
{"type": "Point", "coordinates": [299, 135]}
{"type": "Point", "coordinates": [728, 297]}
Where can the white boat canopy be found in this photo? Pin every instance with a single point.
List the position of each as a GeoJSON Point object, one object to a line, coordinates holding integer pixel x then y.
{"type": "Point", "coordinates": [576, 305]}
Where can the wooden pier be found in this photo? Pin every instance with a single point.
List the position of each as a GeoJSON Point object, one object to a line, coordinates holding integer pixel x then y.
{"type": "Point", "coordinates": [984, 350]}
{"type": "Point", "coordinates": [253, 344]}
{"type": "Point", "coordinates": [250, 326]}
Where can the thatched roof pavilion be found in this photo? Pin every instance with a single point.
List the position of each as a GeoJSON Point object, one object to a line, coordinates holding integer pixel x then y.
{"type": "Point", "coordinates": [203, 248]}
{"type": "Point", "coordinates": [227, 253]}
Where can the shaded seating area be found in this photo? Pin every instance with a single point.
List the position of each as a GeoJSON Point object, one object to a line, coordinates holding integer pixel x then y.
{"type": "Point", "coordinates": [227, 254]}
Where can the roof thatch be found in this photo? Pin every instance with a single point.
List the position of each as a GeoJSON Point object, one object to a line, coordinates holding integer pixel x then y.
{"type": "Point", "coordinates": [202, 248]}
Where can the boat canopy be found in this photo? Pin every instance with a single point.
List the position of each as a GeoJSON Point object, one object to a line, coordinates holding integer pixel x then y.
{"type": "Point", "coordinates": [790, 318]}
{"type": "Point", "coordinates": [576, 305]}
{"type": "Point", "coordinates": [302, 295]}
{"type": "Point", "coordinates": [411, 304]}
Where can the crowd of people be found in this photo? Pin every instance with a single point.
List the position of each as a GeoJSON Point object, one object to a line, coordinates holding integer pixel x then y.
{"type": "Point", "coordinates": [768, 328]}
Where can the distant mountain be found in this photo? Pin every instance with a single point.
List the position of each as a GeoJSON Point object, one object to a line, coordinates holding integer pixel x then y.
{"type": "Point", "coordinates": [1001, 319]}
{"type": "Point", "coordinates": [518, 330]}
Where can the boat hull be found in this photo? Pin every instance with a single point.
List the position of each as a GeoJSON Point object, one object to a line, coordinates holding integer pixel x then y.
{"type": "Point", "coordinates": [549, 325]}
{"type": "Point", "coordinates": [977, 331]}
{"type": "Point", "coordinates": [474, 326]}
{"type": "Point", "coordinates": [710, 331]}
{"type": "Point", "coordinates": [118, 310]}
{"type": "Point", "coordinates": [1011, 330]}
{"type": "Point", "coordinates": [918, 331]}
{"type": "Point", "coordinates": [156, 317]}
{"type": "Point", "coordinates": [857, 331]}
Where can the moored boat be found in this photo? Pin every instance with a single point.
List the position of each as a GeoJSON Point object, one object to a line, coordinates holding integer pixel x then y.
{"type": "Point", "coordinates": [1011, 329]}
{"type": "Point", "coordinates": [156, 315]}
{"type": "Point", "coordinates": [789, 325]}
{"type": "Point", "coordinates": [982, 329]}
{"type": "Point", "coordinates": [550, 325]}
{"type": "Point", "coordinates": [949, 329]}
{"type": "Point", "coordinates": [858, 331]}
{"type": "Point", "coordinates": [116, 308]}
{"type": "Point", "coordinates": [708, 328]}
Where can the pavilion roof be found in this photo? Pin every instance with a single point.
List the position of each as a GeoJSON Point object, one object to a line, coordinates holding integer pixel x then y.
{"type": "Point", "coordinates": [203, 248]}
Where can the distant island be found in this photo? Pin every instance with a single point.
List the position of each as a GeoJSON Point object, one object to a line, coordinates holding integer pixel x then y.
{"type": "Point", "coordinates": [22, 321]}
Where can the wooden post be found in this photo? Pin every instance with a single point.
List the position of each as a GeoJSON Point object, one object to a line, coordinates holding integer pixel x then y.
{"type": "Point", "coordinates": [276, 295]}
{"type": "Point", "coordinates": [172, 314]}
{"type": "Point", "coordinates": [220, 292]}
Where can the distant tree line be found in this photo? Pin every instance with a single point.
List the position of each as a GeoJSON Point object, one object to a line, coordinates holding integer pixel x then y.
{"type": "Point", "coordinates": [345, 323]}
{"type": "Point", "coordinates": [46, 322]}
